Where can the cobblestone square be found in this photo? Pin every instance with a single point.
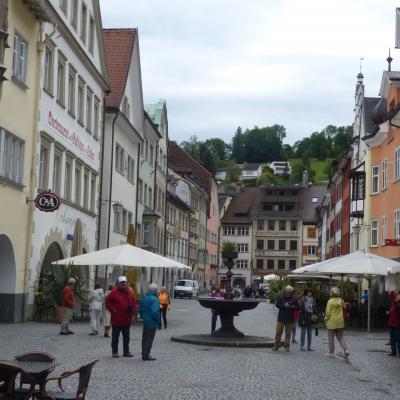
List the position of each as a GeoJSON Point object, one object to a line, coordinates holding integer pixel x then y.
{"type": "Point", "coordinates": [197, 372]}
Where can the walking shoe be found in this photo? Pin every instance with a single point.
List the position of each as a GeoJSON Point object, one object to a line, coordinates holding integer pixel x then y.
{"type": "Point", "coordinates": [149, 359]}
{"type": "Point", "coordinates": [294, 341]}
{"type": "Point", "coordinates": [346, 354]}
{"type": "Point", "coordinates": [275, 348]}
{"type": "Point", "coordinates": [92, 334]}
{"type": "Point", "coordinates": [310, 349]}
{"type": "Point", "coordinates": [302, 349]}
{"type": "Point", "coordinates": [128, 355]}
{"type": "Point", "coordinates": [115, 355]}
{"type": "Point", "coordinates": [64, 333]}
{"type": "Point", "coordinates": [70, 332]}
{"type": "Point", "coordinates": [106, 335]}
{"type": "Point", "coordinates": [391, 355]}
{"type": "Point", "coordinates": [287, 349]}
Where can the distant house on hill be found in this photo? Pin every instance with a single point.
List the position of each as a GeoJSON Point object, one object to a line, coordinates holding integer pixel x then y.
{"type": "Point", "coordinates": [249, 171]}
{"type": "Point", "coordinates": [280, 167]}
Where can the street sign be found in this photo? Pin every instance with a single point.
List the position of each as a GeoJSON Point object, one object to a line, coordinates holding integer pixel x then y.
{"type": "Point", "coordinates": [47, 202]}
{"type": "Point", "coordinates": [392, 242]}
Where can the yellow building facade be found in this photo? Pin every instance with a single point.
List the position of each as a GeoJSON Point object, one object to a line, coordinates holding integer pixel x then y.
{"type": "Point", "coordinates": [20, 35]}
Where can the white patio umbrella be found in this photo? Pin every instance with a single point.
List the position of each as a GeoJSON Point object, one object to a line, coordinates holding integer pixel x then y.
{"type": "Point", "coordinates": [125, 255]}
{"type": "Point", "coordinates": [271, 277]}
{"type": "Point", "coordinates": [359, 263]}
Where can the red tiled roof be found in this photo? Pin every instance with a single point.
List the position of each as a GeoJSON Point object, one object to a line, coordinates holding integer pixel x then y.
{"type": "Point", "coordinates": [118, 45]}
{"type": "Point", "coordinates": [240, 208]}
{"type": "Point", "coordinates": [179, 159]}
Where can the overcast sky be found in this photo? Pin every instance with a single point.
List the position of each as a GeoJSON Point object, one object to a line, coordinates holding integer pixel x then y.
{"type": "Point", "coordinates": [221, 64]}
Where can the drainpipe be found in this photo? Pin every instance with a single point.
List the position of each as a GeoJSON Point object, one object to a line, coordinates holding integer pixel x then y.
{"type": "Point", "coordinates": [32, 177]}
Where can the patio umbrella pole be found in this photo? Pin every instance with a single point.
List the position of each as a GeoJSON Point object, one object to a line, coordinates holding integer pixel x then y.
{"type": "Point", "coordinates": [369, 306]}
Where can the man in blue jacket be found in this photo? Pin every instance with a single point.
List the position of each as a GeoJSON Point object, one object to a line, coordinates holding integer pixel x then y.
{"type": "Point", "coordinates": [149, 310]}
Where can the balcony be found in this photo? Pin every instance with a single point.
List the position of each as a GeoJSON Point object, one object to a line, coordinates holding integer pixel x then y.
{"type": "Point", "coordinates": [276, 253]}
{"type": "Point", "coordinates": [286, 233]}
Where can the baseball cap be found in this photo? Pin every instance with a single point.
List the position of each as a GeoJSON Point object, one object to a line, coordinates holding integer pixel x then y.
{"type": "Point", "coordinates": [122, 279]}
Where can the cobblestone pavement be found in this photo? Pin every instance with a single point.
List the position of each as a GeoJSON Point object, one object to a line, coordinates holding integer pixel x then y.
{"type": "Point", "coordinates": [197, 372]}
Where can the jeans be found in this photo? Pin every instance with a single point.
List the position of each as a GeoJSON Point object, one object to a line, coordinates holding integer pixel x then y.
{"type": "Point", "coordinates": [163, 314]}
{"type": "Point", "coordinates": [305, 329]}
{"type": "Point", "coordinates": [147, 341]}
{"type": "Point", "coordinates": [395, 340]}
{"type": "Point", "coordinates": [294, 328]}
{"type": "Point", "coordinates": [95, 319]}
{"type": "Point", "coordinates": [280, 326]}
{"type": "Point", "coordinates": [214, 317]}
{"type": "Point", "coordinates": [68, 312]}
{"type": "Point", "coordinates": [116, 330]}
{"type": "Point", "coordinates": [339, 336]}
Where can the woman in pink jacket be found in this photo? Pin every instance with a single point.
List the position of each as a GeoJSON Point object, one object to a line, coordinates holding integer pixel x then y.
{"type": "Point", "coordinates": [394, 324]}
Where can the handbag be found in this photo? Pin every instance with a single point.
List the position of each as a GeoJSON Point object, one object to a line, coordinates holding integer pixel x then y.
{"type": "Point", "coordinates": [314, 318]}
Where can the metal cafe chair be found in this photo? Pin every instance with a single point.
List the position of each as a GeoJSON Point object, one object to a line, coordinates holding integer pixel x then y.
{"type": "Point", "coordinates": [84, 372]}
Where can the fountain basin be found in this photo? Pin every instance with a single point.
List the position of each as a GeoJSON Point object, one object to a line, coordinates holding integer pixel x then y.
{"type": "Point", "coordinates": [227, 310]}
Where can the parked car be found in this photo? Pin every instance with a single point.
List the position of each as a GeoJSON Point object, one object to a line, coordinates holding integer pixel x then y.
{"type": "Point", "coordinates": [186, 288]}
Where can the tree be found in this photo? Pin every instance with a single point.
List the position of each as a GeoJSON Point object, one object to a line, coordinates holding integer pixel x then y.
{"type": "Point", "coordinates": [238, 146]}
{"type": "Point", "coordinates": [191, 146]}
{"type": "Point", "coordinates": [218, 148]}
{"type": "Point", "coordinates": [206, 158]}
{"type": "Point", "coordinates": [342, 140]}
{"type": "Point", "coordinates": [298, 167]}
{"type": "Point", "coordinates": [233, 173]}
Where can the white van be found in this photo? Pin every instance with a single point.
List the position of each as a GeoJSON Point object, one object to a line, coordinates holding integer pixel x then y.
{"type": "Point", "coordinates": [186, 288]}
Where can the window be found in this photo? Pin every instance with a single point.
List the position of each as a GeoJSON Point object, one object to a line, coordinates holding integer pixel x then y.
{"type": "Point", "coordinates": [92, 194]}
{"type": "Point", "coordinates": [384, 174]}
{"type": "Point", "coordinates": [270, 264]}
{"type": "Point", "coordinates": [140, 191]}
{"type": "Point", "coordinates": [396, 224]}
{"type": "Point", "coordinates": [119, 158]}
{"type": "Point", "coordinates": [130, 218]}
{"type": "Point", "coordinates": [19, 58]}
{"type": "Point", "coordinates": [126, 107]}
{"type": "Point", "coordinates": [68, 180]}
{"type": "Point", "coordinates": [81, 101]}
{"type": "Point", "coordinates": [44, 166]}
{"type": "Point", "coordinates": [89, 109]}
{"type": "Point", "coordinates": [229, 230]}
{"type": "Point", "coordinates": [61, 79]}
{"type": "Point", "coordinates": [124, 221]}
{"type": "Point", "coordinates": [146, 234]}
{"type": "Point", "coordinates": [71, 90]}
{"type": "Point", "coordinates": [259, 263]}
{"type": "Point", "coordinates": [11, 156]}
{"type": "Point", "coordinates": [293, 226]}
{"type": "Point", "coordinates": [74, 13]}
{"type": "Point", "coordinates": [260, 225]}
{"type": "Point", "coordinates": [57, 173]}
{"type": "Point", "coordinates": [271, 244]}
{"type": "Point", "coordinates": [151, 155]}
{"type": "Point", "coordinates": [96, 118]}
{"type": "Point", "coordinates": [267, 207]}
{"type": "Point", "coordinates": [91, 35]}
{"type": "Point", "coordinates": [384, 229]}
{"type": "Point", "coordinates": [282, 244]}
{"type": "Point", "coordinates": [397, 164]}
{"type": "Point", "coordinates": [271, 225]}
{"type": "Point", "coordinates": [311, 233]}
{"type": "Point", "coordinates": [281, 264]}
{"type": "Point", "coordinates": [292, 264]}
{"type": "Point", "coordinates": [83, 22]}
{"type": "Point", "coordinates": [311, 250]}
{"type": "Point", "coordinates": [131, 169]}
{"type": "Point", "coordinates": [241, 264]}
{"type": "Point", "coordinates": [64, 6]}
{"type": "Point", "coordinates": [260, 244]}
{"type": "Point", "coordinates": [293, 245]}
{"type": "Point", "coordinates": [48, 69]}
{"type": "Point", "coordinates": [150, 198]}
{"type": "Point", "coordinates": [117, 220]}
{"type": "Point", "coordinates": [86, 189]}
{"type": "Point", "coordinates": [243, 231]}
{"type": "Point", "coordinates": [242, 248]}
{"type": "Point", "coordinates": [282, 225]}
{"type": "Point", "coordinates": [375, 179]}
{"type": "Point", "coordinates": [145, 196]}
{"type": "Point", "coordinates": [374, 232]}
{"type": "Point", "coordinates": [78, 183]}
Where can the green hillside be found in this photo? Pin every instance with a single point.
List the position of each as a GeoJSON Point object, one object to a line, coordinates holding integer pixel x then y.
{"type": "Point", "coordinates": [320, 168]}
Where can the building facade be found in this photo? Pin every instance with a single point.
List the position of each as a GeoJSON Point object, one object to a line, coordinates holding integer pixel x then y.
{"type": "Point", "coordinates": [21, 43]}
{"type": "Point", "coordinates": [73, 81]}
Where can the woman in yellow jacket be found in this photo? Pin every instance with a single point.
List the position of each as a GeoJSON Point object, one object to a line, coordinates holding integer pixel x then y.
{"type": "Point", "coordinates": [334, 321]}
{"type": "Point", "coordinates": [165, 305]}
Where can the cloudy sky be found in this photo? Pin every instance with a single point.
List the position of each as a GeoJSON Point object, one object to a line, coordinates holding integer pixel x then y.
{"type": "Point", "coordinates": [221, 64]}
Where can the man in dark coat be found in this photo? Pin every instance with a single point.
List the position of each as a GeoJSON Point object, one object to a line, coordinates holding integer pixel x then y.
{"type": "Point", "coordinates": [121, 304]}
{"type": "Point", "coordinates": [286, 304]}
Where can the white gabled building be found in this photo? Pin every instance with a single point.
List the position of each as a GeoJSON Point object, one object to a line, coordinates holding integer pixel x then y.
{"type": "Point", "coordinates": [73, 81]}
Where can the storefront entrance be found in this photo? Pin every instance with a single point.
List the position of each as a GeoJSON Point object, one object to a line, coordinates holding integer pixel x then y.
{"type": "Point", "coordinates": [10, 303]}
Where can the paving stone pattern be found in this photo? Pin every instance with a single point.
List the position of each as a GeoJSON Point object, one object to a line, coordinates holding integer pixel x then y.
{"type": "Point", "coordinates": [189, 372]}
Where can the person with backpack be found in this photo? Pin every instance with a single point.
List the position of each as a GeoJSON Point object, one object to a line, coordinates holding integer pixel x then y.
{"type": "Point", "coordinates": [165, 305]}
{"type": "Point", "coordinates": [334, 320]}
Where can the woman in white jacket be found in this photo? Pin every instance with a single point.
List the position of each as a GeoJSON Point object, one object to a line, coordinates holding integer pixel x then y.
{"type": "Point", "coordinates": [96, 299]}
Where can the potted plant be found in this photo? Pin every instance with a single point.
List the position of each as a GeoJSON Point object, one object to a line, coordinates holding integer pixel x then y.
{"type": "Point", "coordinates": [229, 250]}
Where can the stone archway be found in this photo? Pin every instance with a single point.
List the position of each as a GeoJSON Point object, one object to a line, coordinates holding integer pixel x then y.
{"type": "Point", "coordinates": [10, 309]}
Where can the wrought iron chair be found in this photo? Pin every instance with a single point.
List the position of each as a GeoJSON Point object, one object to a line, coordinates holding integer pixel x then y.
{"type": "Point", "coordinates": [36, 385]}
{"type": "Point", "coordinates": [8, 374]}
{"type": "Point", "coordinates": [84, 372]}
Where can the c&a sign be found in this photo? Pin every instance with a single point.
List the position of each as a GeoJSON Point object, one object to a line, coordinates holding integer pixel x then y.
{"type": "Point", "coordinates": [47, 202]}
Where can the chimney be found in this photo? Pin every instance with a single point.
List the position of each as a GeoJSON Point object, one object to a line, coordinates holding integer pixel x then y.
{"type": "Point", "coordinates": [305, 178]}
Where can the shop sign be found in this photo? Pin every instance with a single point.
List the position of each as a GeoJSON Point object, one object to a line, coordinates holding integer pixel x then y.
{"type": "Point", "coordinates": [47, 202]}
{"type": "Point", "coordinates": [392, 242]}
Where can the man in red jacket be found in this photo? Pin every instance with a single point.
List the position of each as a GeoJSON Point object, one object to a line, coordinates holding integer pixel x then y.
{"type": "Point", "coordinates": [68, 302]}
{"type": "Point", "coordinates": [121, 304]}
{"type": "Point", "coordinates": [394, 324]}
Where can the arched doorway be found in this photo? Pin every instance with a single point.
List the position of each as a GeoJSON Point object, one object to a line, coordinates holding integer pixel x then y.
{"type": "Point", "coordinates": [10, 309]}
{"type": "Point", "coordinates": [53, 253]}
{"type": "Point", "coordinates": [239, 281]}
